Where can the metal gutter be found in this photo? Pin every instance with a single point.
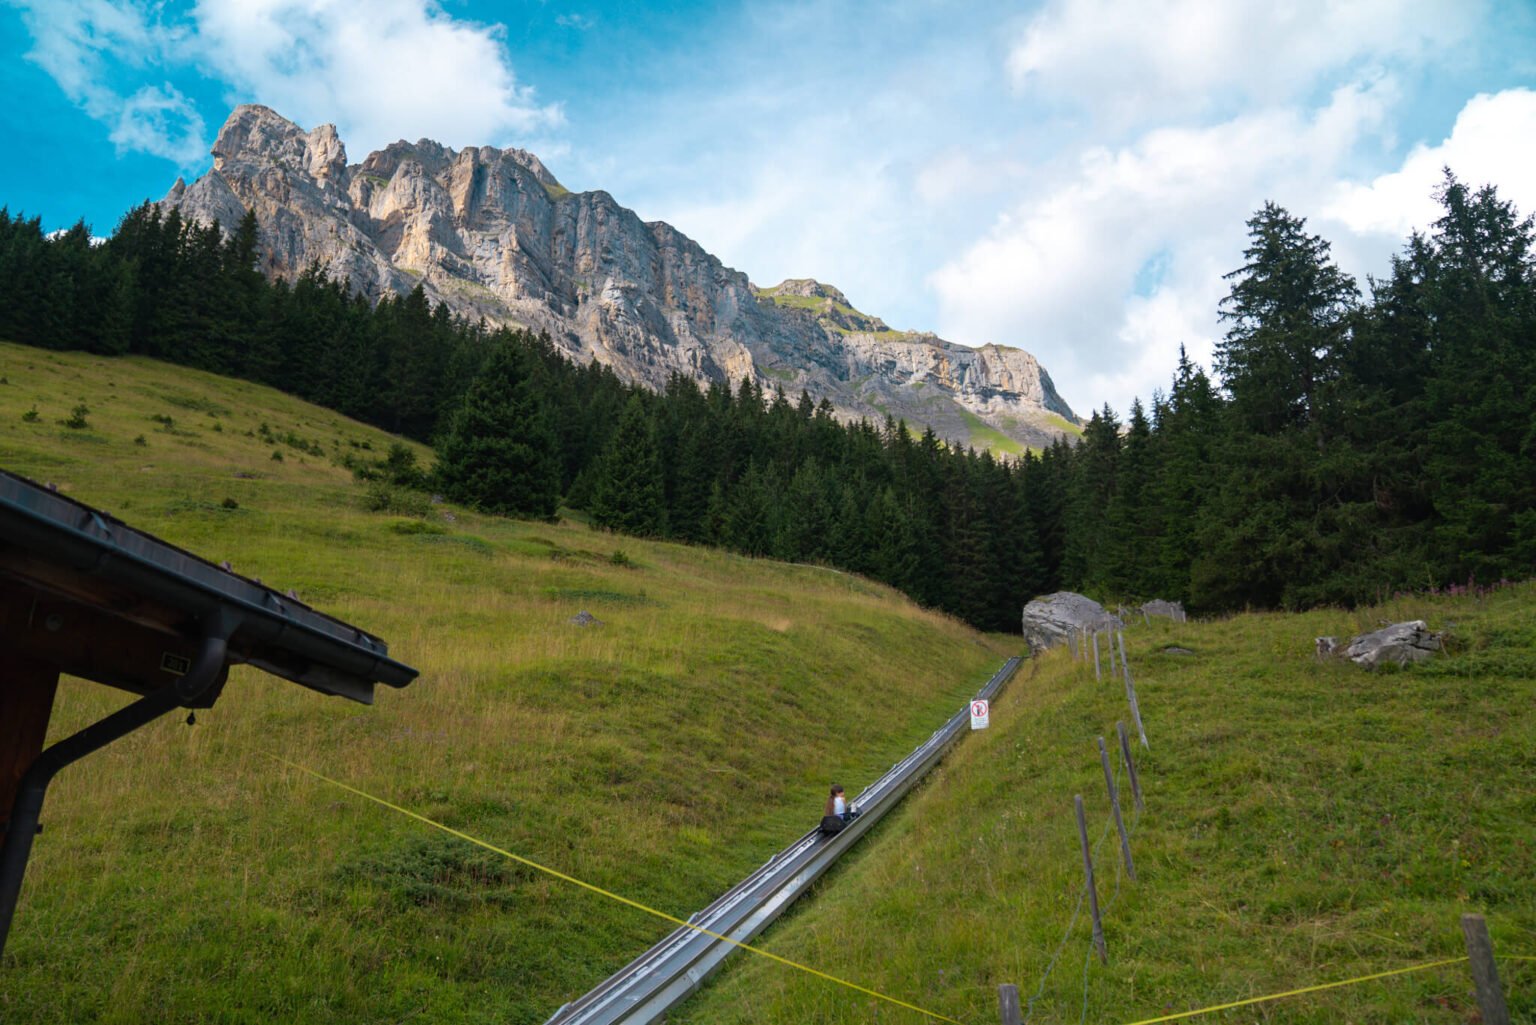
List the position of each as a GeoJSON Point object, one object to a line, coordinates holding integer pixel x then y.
{"type": "Point", "coordinates": [656, 981]}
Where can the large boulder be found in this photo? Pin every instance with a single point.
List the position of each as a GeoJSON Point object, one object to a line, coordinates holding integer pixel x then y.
{"type": "Point", "coordinates": [1167, 609]}
{"type": "Point", "coordinates": [1399, 643]}
{"type": "Point", "coordinates": [1053, 619]}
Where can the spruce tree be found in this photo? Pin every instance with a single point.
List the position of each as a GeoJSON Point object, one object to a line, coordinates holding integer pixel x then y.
{"type": "Point", "coordinates": [498, 454]}
{"type": "Point", "coordinates": [627, 492]}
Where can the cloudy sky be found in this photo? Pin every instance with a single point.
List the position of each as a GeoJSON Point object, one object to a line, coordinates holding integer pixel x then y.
{"type": "Point", "coordinates": [1066, 176]}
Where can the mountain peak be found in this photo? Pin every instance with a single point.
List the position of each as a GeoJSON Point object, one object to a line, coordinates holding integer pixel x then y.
{"type": "Point", "coordinates": [806, 288]}
{"type": "Point", "coordinates": [491, 233]}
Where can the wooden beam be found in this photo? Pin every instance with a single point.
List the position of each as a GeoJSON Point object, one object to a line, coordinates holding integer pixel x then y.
{"type": "Point", "coordinates": [27, 688]}
{"type": "Point", "coordinates": [84, 641]}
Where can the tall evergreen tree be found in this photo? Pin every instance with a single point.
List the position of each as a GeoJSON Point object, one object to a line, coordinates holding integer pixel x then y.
{"type": "Point", "coordinates": [627, 493]}
{"type": "Point", "coordinates": [1289, 311]}
{"type": "Point", "coordinates": [498, 453]}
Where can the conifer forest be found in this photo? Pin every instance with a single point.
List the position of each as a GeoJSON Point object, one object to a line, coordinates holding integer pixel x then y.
{"type": "Point", "coordinates": [1351, 440]}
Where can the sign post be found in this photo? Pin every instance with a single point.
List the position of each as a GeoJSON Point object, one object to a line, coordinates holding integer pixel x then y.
{"type": "Point", "coordinates": [981, 714]}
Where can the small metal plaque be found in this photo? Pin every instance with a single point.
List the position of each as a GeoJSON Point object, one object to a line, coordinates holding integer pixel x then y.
{"type": "Point", "coordinates": [176, 665]}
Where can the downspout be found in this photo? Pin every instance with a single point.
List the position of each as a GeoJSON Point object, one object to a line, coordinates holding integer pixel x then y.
{"type": "Point", "coordinates": [33, 786]}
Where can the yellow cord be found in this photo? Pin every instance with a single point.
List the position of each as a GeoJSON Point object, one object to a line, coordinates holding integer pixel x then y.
{"type": "Point", "coordinates": [606, 893]}
{"type": "Point", "coordinates": [1295, 992]}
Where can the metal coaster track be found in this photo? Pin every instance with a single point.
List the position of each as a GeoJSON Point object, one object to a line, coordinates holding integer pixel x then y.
{"type": "Point", "coordinates": [650, 985]}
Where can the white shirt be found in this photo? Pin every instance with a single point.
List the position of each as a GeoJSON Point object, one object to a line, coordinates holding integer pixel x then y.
{"type": "Point", "coordinates": [839, 806]}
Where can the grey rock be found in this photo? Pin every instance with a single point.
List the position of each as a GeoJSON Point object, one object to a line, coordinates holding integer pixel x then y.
{"type": "Point", "coordinates": [1174, 649]}
{"type": "Point", "coordinates": [1053, 619]}
{"type": "Point", "coordinates": [1167, 609]}
{"type": "Point", "coordinates": [585, 618]}
{"type": "Point", "coordinates": [491, 233]}
{"type": "Point", "coordinates": [1400, 643]}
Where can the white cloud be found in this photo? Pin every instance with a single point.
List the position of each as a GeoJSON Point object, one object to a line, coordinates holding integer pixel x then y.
{"type": "Point", "coordinates": [161, 121]}
{"type": "Point", "coordinates": [821, 213]}
{"type": "Point", "coordinates": [380, 71]}
{"type": "Point", "coordinates": [1057, 274]}
{"type": "Point", "coordinates": [1129, 59]}
{"type": "Point", "coordinates": [82, 45]}
{"type": "Point", "coordinates": [1492, 142]}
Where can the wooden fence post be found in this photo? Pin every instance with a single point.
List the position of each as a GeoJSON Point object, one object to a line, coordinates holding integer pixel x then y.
{"type": "Point", "coordinates": [1130, 694]}
{"type": "Point", "coordinates": [1098, 674]}
{"type": "Point", "coordinates": [1130, 764]}
{"type": "Point", "coordinates": [1008, 1004]}
{"type": "Point", "coordinates": [1093, 893]}
{"type": "Point", "coordinates": [1485, 974]}
{"type": "Point", "coordinates": [1114, 803]}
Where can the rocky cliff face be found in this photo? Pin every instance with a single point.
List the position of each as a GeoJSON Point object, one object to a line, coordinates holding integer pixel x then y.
{"type": "Point", "coordinates": [491, 233]}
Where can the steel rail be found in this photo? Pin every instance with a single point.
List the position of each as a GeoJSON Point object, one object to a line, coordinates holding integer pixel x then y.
{"type": "Point", "coordinates": [656, 981]}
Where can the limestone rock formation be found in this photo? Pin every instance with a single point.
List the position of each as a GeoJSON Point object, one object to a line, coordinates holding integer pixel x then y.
{"type": "Point", "coordinates": [1053, 619]}
{"type": "Point", "coordinates": [492, 233]}
{"type": "Point", "coordinates": [1399, 643]}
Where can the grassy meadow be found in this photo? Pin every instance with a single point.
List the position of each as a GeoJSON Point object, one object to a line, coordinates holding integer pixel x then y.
{"type": "Point", "coordinates": [1305, 823]}
{"type": "Point", "coordinates": [184, 876]}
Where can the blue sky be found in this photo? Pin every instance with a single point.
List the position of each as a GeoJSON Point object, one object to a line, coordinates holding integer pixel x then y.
{"type": "Point", "coordinates": [1066, 176]}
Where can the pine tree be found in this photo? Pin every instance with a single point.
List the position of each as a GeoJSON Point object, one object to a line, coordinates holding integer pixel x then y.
{"type": "Point", "coordinates": [1289, 311]}
{"type": "Point", "coordinates": [498, 453]}
{"type": "Point", "coordinates": [627, 492]}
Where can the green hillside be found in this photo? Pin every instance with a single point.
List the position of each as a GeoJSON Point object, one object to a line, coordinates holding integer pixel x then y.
{"type": "Point", "coordinates": [1305, 823]}
{"type": "Point", "coordinates": [183, 876]}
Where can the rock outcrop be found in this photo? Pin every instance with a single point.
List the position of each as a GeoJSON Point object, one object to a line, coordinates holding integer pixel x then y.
{"type": "Point", "coordinates": [1165, 609]}
{"type": "Point", "coordinates": [492, 233]}
{"type": "Point", "coordinates": [1400, 643]}
{"type": "Point", "coordinates": [1055, 618]}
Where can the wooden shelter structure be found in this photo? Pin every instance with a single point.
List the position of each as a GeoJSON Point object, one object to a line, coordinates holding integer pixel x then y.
{"type": "Point", "coordinates": [85, 594]}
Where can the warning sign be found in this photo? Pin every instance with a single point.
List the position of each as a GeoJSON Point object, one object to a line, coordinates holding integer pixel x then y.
{"type": "Point", "coordinates": [980, 715]}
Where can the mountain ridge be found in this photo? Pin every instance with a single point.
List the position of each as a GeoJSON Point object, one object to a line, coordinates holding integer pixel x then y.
{"type": "Point", "coordinates": [494, 235]}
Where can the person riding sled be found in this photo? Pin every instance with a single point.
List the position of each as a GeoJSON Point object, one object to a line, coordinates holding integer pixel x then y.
{"type": "Point", "coordinates": [838, 812]}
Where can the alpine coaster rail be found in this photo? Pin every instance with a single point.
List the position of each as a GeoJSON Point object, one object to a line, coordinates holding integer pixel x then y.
{"type": "Point", "coordinates": [656, 981]}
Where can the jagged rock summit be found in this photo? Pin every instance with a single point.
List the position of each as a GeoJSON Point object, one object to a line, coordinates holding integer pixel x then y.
{"type": "Point", "coordinates": [493, 234]}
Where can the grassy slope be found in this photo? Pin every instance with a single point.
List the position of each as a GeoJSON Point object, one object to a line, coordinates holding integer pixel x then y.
{"type": "Point", "coordinates": [1305, 823]}
{"type": "Point", "coordinates": [184, 877]}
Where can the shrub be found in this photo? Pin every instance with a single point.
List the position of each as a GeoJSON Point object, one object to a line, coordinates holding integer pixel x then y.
{"type": "Point", "coordinates": [382, 497]}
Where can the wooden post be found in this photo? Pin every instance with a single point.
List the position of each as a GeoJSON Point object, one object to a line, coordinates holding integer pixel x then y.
{"type": "Point", "coordinates": [1135, 709]}
{"type": "Point", "coordinates": [1130, 764]}
{"type": "Point", "coordinates": [1008, 1004]}
{"type": "Point", "coordinates": [1098, 674]}
{"type": "Point", "coordinates": [1485, 974]}
{"type": "Point", "coordinates": [1130, 694]}
{"type": "Point", "coordinates": [1072, 640]}
{"type": "Point", "coordinates": [1093, 893]}
{"type": "Point", "coordinates": [1114, 803]}
{"type": "Point", "coordinates": [27, 688]}
{"type": "Point", "coordinates": [1111, 650]}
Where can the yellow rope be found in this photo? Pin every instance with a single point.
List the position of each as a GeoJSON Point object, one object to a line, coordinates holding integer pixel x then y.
{"type": "Point", "coordinates": [606, 893]}
{"type": "Point", "coordinates": [1296, 992]}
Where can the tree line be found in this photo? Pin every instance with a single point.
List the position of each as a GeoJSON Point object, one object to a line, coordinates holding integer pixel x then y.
{"type": "Point", "coordinates": [1355, 444]}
